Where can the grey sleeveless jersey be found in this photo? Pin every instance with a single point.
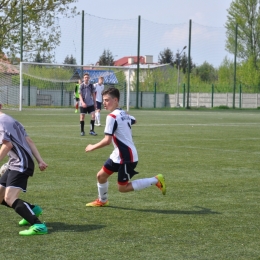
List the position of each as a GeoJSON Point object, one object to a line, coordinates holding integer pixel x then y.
{"type": "Point", "coordinates": [20, 156]}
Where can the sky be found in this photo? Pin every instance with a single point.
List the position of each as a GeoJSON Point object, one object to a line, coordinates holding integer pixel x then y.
{"type": "Point", "coordinates": [209, 13]}
{"type": "Point", "coordinates": [206, 12]}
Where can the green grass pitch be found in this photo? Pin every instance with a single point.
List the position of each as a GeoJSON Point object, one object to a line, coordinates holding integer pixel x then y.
{"type": "Point", "coordinates": [210, 159]}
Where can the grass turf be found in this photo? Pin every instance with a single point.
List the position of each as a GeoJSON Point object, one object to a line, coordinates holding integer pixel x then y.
{"type": "Point", "coordinates": [210, 160]}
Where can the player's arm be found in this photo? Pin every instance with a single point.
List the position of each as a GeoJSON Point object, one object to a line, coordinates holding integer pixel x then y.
{"type": "Point", "coordinates": [5, 149]}
{"type": "Point", "coordinates": [36, 154]}
{"type": "Point", "coordinates": [104, 142]}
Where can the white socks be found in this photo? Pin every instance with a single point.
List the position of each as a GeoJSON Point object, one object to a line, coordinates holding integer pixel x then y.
{"type": "Point", "coordinates": [97, 117]}
{"type": "Point", "coordinates": [144, 183]}
{"type": "Point", "coordinates": [102, 191]}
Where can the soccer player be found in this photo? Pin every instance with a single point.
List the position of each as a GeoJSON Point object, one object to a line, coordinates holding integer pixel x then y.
{"type": "Point", "coordinates": [20, 148]}
{"type": "Point", "coordinates": [124, 157]}
{"type": "Point", "coordinates": [87, 105]}
{"type": "Point", "coordinates": [99, 88]}
{"type": "Point", "coordinates": [76, 95]}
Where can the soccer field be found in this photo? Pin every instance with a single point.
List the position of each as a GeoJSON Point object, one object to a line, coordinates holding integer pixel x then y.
{"type": "Point", "coordinates": [210, 159]}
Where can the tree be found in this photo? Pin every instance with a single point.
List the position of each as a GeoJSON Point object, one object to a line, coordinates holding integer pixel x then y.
{"type": "Point", "coordinates": [70, 60]}
{"type": "Point", "coordinates": [166, 57]}
{"type": "Point", "coordinates": [246, 14]}
{"type": "Point", "coordinates": [206, 72]}
{"type": "Point", "coordinates": [41, 59]}
{"type": "Point", "coordinates": [106, 59]}
{"type": "Point", "coordinates": [40, 30]}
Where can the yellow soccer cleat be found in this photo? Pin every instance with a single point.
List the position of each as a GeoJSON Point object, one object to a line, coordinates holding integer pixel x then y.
{"type": "Point", "coordinates": [161, 183]}
{"type": "Point", "coordinates": [98, 203]}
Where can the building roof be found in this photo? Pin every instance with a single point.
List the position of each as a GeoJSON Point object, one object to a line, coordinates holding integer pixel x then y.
{"type": "Point", "coordinates": [124, 61]}
{"type": "Point", "coordinates": [109, 75]}
{"type": "Point", "coordinates": [7, 68]}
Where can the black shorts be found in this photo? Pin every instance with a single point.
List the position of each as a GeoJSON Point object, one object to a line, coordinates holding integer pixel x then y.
{"type": "Point", "coordinates": [77, 99]}
{"type": "Point", "coordinates": [99, 104]}
{"type": "Point", "coordinates": [125, 171]}
{"type": "Point", "coordinates": [87, 110]}
{"type": "Point", "coordinates": [14, 179]}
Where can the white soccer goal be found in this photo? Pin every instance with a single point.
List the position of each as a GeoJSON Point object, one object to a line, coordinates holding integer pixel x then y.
{"type": "Point", "coordinates": [43, 85]}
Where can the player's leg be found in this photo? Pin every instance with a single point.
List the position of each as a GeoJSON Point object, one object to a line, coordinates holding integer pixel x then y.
{"type": "Point", "coordinates": [17, 182]}
{"type": "Point", "coordinates": [82, 120]}
{"type": "Point", "coordinates": [91, 111]}
{"type": "Point", "coordinates": [126, 172]}
{"type": "Point", "coordinates": [97, 114]}
{"type": "Point", "coordinates": [76, 105]}
{"type": "Point", "coordinates": [102, 183]}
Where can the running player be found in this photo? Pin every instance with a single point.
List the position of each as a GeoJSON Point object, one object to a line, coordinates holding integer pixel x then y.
{"type": "Point", "coordinates": [21, 149]}
{"type": "Point", "coordinates": [124, 157]}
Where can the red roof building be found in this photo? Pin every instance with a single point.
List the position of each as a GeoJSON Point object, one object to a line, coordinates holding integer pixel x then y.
{"type": "Point", "coordinates": [131, 60]}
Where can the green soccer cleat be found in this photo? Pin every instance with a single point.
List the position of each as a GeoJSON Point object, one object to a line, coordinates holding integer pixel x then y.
{"type": "Point", "coordinates": [98, 203]}
{"type": "Point", "coordinates": [36, 229]}
{"type": "Point", "coordinates": [161, 183]}
{"type": "Point", "coordinates": [37, 211]}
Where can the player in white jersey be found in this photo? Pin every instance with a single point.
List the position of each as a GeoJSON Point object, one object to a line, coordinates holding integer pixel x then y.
{"type": "Point", "coordinates": [124, 157]}
{"type": "Point", "coordinates": [99, 89]}
{"type": "Point", "coordinates": [21, 149]}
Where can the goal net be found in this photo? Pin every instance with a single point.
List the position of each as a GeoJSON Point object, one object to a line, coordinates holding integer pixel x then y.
{"type": "Point", "coordinates": [9, 85]}
{"type": "Point", "coordinates": [42, 85]}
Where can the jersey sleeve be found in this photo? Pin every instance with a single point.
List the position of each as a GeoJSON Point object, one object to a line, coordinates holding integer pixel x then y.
{"type": "Point", "coordinates": [111, 124]}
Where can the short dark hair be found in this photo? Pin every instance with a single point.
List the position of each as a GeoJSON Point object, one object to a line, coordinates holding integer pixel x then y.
{"type": "Point", "coordinates": [113, 92]}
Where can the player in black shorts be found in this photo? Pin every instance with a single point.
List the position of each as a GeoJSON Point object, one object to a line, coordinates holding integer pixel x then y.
{"type": "Point", "coordinates": [87, 104]}
{"type": "Point", "coordinates": [21, 149]}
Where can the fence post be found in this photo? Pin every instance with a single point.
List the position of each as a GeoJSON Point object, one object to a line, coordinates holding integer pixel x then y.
{"type": "Point", "coordinates": [124, 94]}
{"type": "Point", "coordinates": [154, 97]}
{"type": "Point", "coordinates": [240, 96]}
{"type": "Point", "coordinates": [212, 95]}
{"type": "Point", "coordinates": [235, 69]}
{"type": "Point", "coordinates": [61, 94]}
{"type": "Point", "coordinates": [183, 100]}
{"type": "Point", "coordinates": [29, 92]}
{"type": "Point", "coordinates": [141, 98]}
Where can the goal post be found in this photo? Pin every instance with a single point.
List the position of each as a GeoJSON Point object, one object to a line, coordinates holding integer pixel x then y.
{"type": "Point", "coordinates": [47, 85]}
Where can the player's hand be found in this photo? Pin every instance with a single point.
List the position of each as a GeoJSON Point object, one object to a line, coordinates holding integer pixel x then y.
{"type": "Point", "coordinates": [89, 148]}
{"type": "Point", "coordinates": [42, 166]}
{"type": "Point", "coordinates": [84, 104]}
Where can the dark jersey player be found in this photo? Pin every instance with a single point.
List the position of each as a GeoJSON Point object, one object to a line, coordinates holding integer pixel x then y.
{"type": "Point", "coordinates": [124, 157]}
{"type": "Point", "coordinates": [21, 149]}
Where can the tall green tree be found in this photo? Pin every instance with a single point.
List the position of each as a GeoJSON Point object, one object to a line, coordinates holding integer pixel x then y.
{"type": "Point", "coordinates": [41, 33]}
{"type": "Point", "coordinates": [245, 13]}
{"type": "Point", "coordinates": [166, 56]}
{"type": "Point", "coordinates": [70, 60]}
{"type": "Point", "coordinates": [106, 59]}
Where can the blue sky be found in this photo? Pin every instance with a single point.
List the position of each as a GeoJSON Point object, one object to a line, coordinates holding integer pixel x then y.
{"type": "Point", "coordinates": [208, 18]}
{"type": "Point", "coordinates": [206, 12]}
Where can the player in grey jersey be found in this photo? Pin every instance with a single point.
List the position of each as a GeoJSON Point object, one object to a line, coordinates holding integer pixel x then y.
{"type": "Point", "coordinates": [20, 149]}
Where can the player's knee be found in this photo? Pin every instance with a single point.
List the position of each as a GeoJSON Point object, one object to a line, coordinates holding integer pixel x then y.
{"type": "Point", "coordinates": [122, 188]}
{"type": "Point", "coordinates": [102, 178]}
{"type": "Point", "coordinates": [9, 200]}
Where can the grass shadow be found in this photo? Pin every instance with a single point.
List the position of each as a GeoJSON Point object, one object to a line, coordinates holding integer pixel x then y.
{"type": "Point", "coordinates": [63, 227]}
{"type": "Point", "coordinates": [199, 211]}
